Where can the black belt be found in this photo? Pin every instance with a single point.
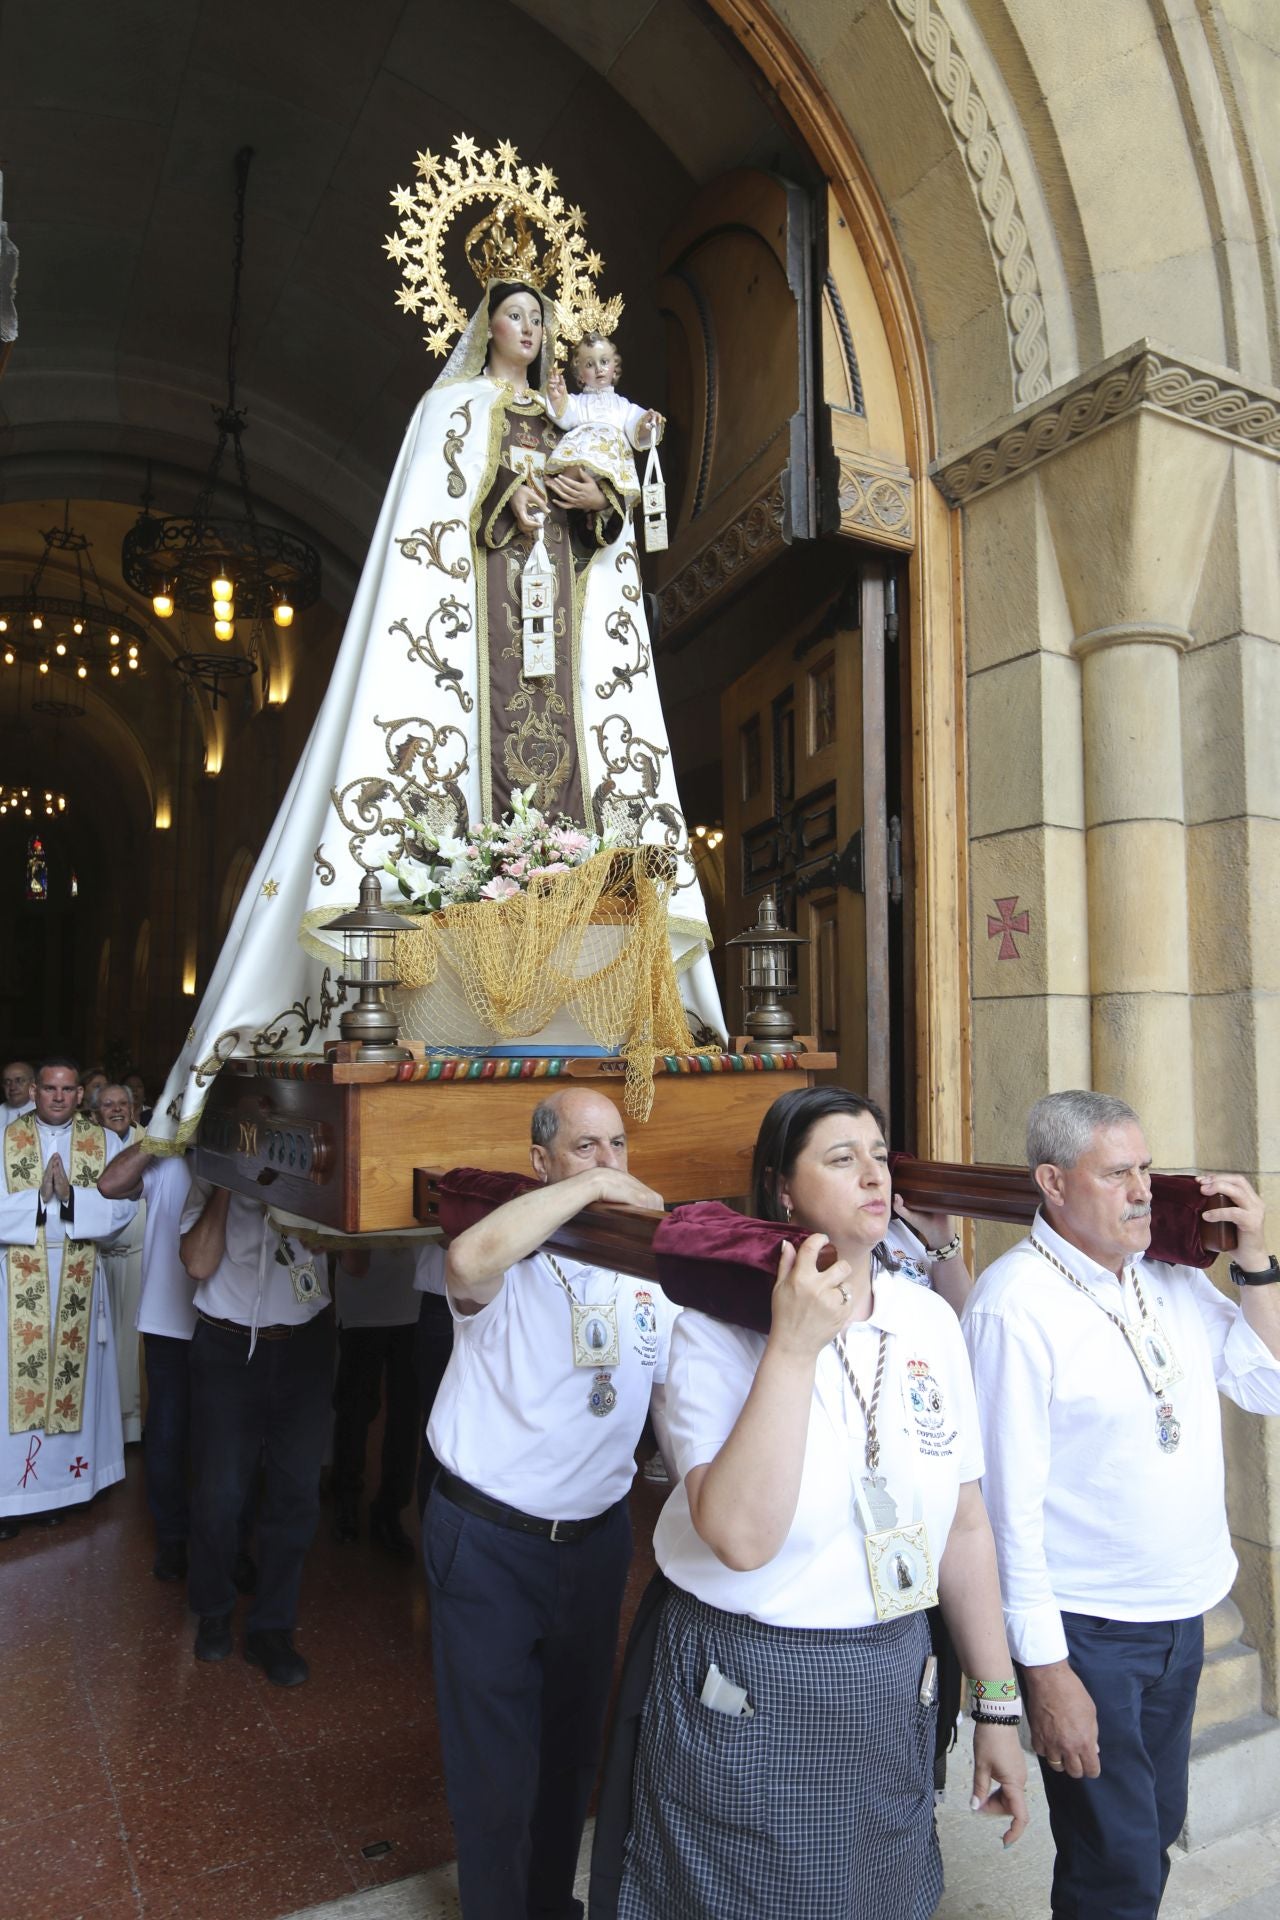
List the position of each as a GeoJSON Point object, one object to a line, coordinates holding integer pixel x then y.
{"type": "Point", "coordinates": [279, 1332]}
{"type": "Point", "coordinates": [471, 1500]}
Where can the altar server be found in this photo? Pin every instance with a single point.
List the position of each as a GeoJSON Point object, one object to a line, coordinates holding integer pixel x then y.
{"type": "Point", "coordinates": [1098, 1372]}
{"type": "Point", "coordinates": [62, 1440]}
{"type": "Point", "coordinates": [527, 1537]}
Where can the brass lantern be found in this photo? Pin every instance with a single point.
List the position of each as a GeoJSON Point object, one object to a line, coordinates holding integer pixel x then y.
{"type": "Point", "coordinates": [369, 963]}
{"type": "Point", "coordinates": [768, 978]}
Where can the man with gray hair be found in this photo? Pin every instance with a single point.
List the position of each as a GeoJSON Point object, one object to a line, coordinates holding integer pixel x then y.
{"type": "Point", "coordinates": [1098, 1372]}
{"type": "Point", "coordinates": [526, 1536]}
{"type": "Point", "coordinates": [19, 1079]}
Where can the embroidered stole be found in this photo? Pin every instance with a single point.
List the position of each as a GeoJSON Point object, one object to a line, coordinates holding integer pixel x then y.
{"type": "Point", "coordinates": [47, 1365]}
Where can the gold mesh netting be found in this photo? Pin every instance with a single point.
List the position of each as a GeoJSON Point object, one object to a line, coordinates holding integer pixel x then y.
{"type": "Point", "coordinates": [591, 945]}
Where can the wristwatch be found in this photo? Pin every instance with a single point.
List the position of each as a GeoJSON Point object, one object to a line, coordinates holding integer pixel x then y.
{"type": "Point", "coordinates": [1264, 1277]}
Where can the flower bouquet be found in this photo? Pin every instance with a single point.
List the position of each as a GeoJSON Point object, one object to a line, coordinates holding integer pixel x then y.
{"type": "Point", "coordinates": [538, 933]}
{"type": "Point", "coordinates": [499, 858]}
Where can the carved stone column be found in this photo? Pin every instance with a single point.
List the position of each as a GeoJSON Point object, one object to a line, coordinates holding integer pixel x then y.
{"type": "Point", "coordinates": [1131, 511]}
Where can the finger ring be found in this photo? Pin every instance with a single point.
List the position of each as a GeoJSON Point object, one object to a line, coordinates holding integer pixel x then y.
{"type": "Point", "coordinates": [1056, 1765]}
{"type": "Point", "coordinates": [844, 1293]}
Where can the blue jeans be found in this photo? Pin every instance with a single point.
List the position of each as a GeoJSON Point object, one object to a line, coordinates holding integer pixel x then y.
{"type": "Point", "coordinates": [273, 1409]}
{"type": "Point", "coordinates": [1113, 1834]}
{"type": "Point", "coordinates": [166, 1435]}
{"type": "Point", "coordinates": [523, 1635]}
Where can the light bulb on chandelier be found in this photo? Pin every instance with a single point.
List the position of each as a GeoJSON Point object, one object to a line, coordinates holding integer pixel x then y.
{"type": "Point", "coordinates": [162, 604]}
{"type": "Point", "coordinates": [282, 613]}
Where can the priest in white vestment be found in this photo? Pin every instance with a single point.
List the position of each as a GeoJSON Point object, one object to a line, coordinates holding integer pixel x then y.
{"type": "Point", "coordinates": [62, 1439]}
{"type": "Point", "coordinates": [18, 1076]}
{"type": "Point", "coordinates": [123, 1260]}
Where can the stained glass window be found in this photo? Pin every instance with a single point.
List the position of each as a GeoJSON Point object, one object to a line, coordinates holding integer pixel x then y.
{"type": "Point", "coordinates": [37, 869]}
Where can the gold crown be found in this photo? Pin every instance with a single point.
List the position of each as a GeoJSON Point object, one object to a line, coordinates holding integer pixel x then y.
{"type": "Point", "coordinates": [501, 245]}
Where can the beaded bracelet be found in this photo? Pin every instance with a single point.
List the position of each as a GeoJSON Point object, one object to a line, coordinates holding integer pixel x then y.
{"type": "Point", "coordinates": [948, 1252]}
{"type": "Point", "coordinates": [993, 1690]}
{"type": "Point", "coordinates": [1006, 1715]}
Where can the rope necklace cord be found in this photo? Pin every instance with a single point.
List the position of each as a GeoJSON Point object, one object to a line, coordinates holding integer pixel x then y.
{"type": "Point", "coordinates": [872, 1454]}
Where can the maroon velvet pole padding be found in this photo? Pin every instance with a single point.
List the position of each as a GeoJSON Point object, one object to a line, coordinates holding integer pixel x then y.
{"type": "Point", "coordinates": [723, 1263]}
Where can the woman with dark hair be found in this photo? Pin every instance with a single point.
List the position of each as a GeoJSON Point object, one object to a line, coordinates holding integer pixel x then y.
{"type": "Point", "coordinates": [829, 1495]}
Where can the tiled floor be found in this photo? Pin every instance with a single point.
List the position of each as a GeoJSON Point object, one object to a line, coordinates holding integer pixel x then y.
{"type": "Point", "coordinates": [135, 1781]}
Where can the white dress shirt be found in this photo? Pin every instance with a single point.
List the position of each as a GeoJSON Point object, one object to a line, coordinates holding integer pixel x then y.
{"type": "Point", "coordinates": [512, 1415]}
{"type": "Point", "coordinates": [264, 1278]}
{"type": "Point", "coordinates": [926, 1423]}
{"type": "Point", "coordinates": [1090, 1515]}
{"type": "Point", "coordinates": [165, 1305]}
{"type": "Point", "coordinates": [8, 1113]}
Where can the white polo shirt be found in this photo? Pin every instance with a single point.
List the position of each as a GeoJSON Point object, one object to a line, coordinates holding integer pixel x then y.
{"type": "Point", "coordinates": [165, 1304]}
{"type": "Point", "coordinates": [1090, 1515]}
{"type": "Point", "coordinates": [513, 1417]}
{"type": "Point", "coordinates": [262, 1278]}
{"type": "Point", "coordinates": [926, 1422]}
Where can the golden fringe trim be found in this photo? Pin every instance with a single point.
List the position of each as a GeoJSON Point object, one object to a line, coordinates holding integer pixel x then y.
{"type": "Point", "coordinates": [522, 960]}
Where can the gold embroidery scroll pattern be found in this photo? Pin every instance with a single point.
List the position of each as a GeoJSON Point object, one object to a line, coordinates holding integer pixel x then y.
{"type": "Point", "coordinates": [206, 1070]}
{"type": "Point", "coordinates": [622, 628]}
{"type": "Point", "coordinates": [429, 540]}
{"type": "Point", "coordinates": [632, 813]}
{"type": "Point", "coordinates": [427, 769]}
{"type": "Point", "coordinates": [455, 619]}
{"type": "Point", "coordinates": [536, 752]}
{"type": "Point", "coordinates": [274, 1033]}
{"type": "Point", "coordinates": [453, 440]}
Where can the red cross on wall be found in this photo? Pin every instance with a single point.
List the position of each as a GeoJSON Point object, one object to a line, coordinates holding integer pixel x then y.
{"type": "Point", "coordinates": [1006, 926]}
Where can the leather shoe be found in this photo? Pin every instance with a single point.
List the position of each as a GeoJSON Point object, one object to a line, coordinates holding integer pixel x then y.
{"type": "Point", "coordinates": [10, 1527]}
{"type": "Point", "coordinates": [273, 1650]}
{"type": "Point", "coordinates": [213, 1636]}
{"type": "Point", "coordinates": [386, 1532]}
{"type": "Point", "coordinates": [346, 1522]}
{"type": "Point", "coordinates": [244, 1574]}
{"type": "Point", "coordinates": [55, 1518]}
{"type": "Point", "coordinates": [170, 1562]}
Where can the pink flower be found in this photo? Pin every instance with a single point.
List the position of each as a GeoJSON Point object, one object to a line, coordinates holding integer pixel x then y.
{"type": "Point", "coordinates": [517, 868]}
{"type": "Point", "coordinates": [572, 842]}
{"type": "Point", "coordinates": [544, 873]}
{"type": "Point", "coordinates": [498, 889]}
{"type": "Point", "coordinates": [471, 851]}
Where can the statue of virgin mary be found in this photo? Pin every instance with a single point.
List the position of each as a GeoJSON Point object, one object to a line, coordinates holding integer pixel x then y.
{"type": "Point", "coordinates": [430, 715]}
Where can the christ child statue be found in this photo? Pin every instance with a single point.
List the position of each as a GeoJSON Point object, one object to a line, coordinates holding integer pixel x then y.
{"type": "Point", "coordinates": [600, 427]}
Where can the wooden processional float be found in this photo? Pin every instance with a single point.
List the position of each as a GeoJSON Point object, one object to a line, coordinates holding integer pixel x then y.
{"type": "Point", "coordinates": [360, 1147]}
{"type": "Point", "coordinates": [354, 1142]}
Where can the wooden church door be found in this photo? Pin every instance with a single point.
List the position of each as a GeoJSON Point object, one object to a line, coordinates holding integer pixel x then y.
{"type": "Point", "coordinates": [805, 818]}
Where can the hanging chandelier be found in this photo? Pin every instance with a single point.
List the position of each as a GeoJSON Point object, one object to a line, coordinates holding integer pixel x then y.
{"type": "Point", "coordinates": [231, 569]}
{"type": "Point", "coordinates": [67, 638]}
{"type": "Point", "coordinates": [29, 801]}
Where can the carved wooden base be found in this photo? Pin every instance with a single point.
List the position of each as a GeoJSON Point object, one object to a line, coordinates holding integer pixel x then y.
{"type": "Point", "coordinates": [336, 1141]}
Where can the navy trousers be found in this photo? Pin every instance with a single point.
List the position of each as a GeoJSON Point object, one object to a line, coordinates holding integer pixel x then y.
{"type": "Point", "coordinates": [273, 1409]}
{"type": "Point", "coordinates": [165, 1436]}
{"type": "Point", "coordinates": [523, 1636]}
{"type": "Point", "coordinates": [1113, 1834]}
{"type": "Point", "coordinates": [365, 1354]}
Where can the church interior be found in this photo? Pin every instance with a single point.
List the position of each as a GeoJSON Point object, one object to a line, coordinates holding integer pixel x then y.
{"type": "Point", "coordinates": [965, 322]}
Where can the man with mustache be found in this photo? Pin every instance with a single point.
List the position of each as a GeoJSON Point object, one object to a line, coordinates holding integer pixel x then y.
{"type": "Point", "coordinates": [1098, 1373]}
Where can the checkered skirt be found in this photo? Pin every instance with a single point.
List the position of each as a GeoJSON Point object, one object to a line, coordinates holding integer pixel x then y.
{"type": "Point", "coordinates": [818, 1807]}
